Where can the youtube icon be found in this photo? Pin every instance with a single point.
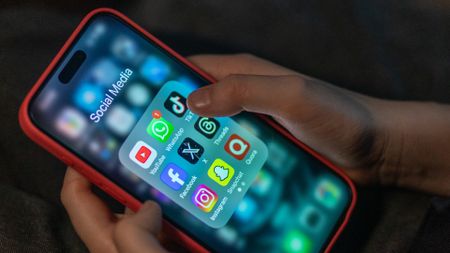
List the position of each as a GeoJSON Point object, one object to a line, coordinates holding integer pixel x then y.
{"type": "Point", "coordinates": [142, 154]}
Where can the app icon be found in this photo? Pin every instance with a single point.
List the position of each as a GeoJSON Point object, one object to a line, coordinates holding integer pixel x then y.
{"type": "Point", "coordinates": [47, 99]}
{"type": "Point", "coordinates": [204, 198]}
{"type": "Point", "coordinates": [120, 120]}
{"type": "Point", "coordinates": [221, 172]}
{"type": "Point", "coordinates": [142, 154]}
{"type": "Point", "coordinates": [105, 72]}
{"type": "Point", "coordinates": [282, 215]}
{"type": "Point", "coordinates": [155, 70]}
{"type": "Point", "coordinates": [125, 49]}
{"type": "Point", "coordinates": [160, 129]}
{"type": "Point", "coordinates": [71, 123]}
{"type": "Point", "coordinates": [174, 176]}
{"type": "Point", "coordinates": [176, 104]}
{"type": "Point", "coordinates": [228, 234]}
{"type": "Point", "coordinates": [281, 160]}
{"type": "Point", "coordinates": [327, 193]}
{"type": "Point", "coordinates": [103, 146]}
{"type": "Point", "coordinates": [262, 183]}
{"type": "Point", "coordinates": [87, 97]}
{"type": "Point", "coordinates": [138, 94]}
{"type": "Point", "coordinates": [207, 126]}
{"type": "Point", "coordinates": [190, 150]}
{"type": "Point", "coordinates": [296, 242]}
{"type": "Point", "coordinates": [98, 29]}
{"type": "Point", "coordinates": [311, 218]}
{"type": "Point", "coordinates": [237, 147]}
{"type": "Point", "coordinates": [246, 209]}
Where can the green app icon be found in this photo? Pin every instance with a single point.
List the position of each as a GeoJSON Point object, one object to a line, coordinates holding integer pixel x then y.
{"type": "Point", "coordinates": [296, 242]}
{"type": "Point", "coordinates": [160, 129]}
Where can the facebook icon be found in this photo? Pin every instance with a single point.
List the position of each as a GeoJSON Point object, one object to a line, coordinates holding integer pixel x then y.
{"type": "Point", "coordinates": [174, 176]}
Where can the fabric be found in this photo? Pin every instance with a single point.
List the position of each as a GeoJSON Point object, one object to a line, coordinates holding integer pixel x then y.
{"type": "Point", "coordinates": [433, 236]}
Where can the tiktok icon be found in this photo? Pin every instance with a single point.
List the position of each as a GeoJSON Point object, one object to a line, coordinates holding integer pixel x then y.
{"type": "Point", "coordinates": [176, 104]}
{"type": "Point", "coordinates": [174, 176]}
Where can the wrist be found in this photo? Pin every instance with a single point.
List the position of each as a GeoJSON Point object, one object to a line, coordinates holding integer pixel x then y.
{"type": "Point", "coordinates": [417, 140]}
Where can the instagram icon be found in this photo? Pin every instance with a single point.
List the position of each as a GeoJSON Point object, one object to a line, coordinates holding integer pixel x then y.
{"type": "Point", "coordinates": [204, 198]}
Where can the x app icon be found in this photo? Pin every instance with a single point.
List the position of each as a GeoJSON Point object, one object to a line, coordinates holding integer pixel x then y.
{"type": "Point", "coordinates": [190, 150]}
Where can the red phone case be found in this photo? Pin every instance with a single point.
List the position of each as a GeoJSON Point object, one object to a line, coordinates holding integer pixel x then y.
{"type": "Point", "coordinates": [34, 133]}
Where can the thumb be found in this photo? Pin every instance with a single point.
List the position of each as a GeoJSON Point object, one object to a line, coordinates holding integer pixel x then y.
{"type": "Point", "coordinates": [325, 117]}
{"type": "Point", "coordinates": [272, 95]}
{"type": "Point", "coordinates": [138, 232]}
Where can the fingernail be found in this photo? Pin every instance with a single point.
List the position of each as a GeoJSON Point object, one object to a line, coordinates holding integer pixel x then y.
{"type": "Point", "coordinates": [200, 98]}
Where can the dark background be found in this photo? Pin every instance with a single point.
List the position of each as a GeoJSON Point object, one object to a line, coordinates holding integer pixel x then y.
{"type": "Point", "coordinates": [390, 49]}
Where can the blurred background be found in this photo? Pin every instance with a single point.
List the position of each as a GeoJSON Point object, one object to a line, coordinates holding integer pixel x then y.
{"type": "Point", "coordinates": [390, 49]}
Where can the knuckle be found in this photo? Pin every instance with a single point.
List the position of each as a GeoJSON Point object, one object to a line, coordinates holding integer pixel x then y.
{"type": "Point", "coordinates": [295, 91]}
{"type": "Point", "coordinates": [64, 195]}
{"type": "Point", "coordinates": [296, 85]}
{"type": "Point", "coordinates": [69, 192]}
{"type": "Point", "coordinates": [297, 81]}
{"type": "Point", "coordinates": [62, 198]}
{"type": "Point", "coordinates": [237, 87]}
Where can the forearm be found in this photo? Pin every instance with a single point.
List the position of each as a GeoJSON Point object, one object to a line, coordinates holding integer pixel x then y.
{"type": "Point", "coordinates": [417, 151]}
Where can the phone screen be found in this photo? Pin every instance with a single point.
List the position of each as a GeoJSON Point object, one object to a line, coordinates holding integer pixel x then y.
{"type": "Point", "coordinates": [231, 183]}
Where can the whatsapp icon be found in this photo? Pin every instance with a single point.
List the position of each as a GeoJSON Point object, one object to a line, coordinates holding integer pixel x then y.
{"type": "Point", "coordinates": [160, 129]}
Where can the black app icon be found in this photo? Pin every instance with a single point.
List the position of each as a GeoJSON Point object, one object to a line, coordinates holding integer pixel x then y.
{"type": "Point", "coordinates": [207, 126]}
{"type": "Point", "coordinates": [190, 150]}
{"type": "Point", "coordinates": [176, 104]}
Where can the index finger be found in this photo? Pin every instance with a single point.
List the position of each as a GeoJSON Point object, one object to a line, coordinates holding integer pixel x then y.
{"type": "Point", "coordinates": [220, 66]}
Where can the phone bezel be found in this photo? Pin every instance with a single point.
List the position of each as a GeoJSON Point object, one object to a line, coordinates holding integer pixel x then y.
{"type": "Point", "coordinates": [64, 154]}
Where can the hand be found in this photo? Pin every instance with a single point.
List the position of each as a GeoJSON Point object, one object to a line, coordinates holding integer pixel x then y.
{"type": "Point", "coordinates": [373, 140]}
{"type": "Point", "coordinates": [103, 231]}
{"type": "Point", "coordinates": [335, 122]}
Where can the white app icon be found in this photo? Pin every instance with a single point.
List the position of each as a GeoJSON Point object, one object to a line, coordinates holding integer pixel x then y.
{"type": "Point", "coordinates": [120, 120]}
{"type": "Point", "coordinates": [142, 154]}
{"type": "Point", "coordinates": [71, 123]}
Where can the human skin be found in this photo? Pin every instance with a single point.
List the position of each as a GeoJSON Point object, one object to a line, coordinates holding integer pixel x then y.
{"type": "Point", "coordinates": [376, 141]}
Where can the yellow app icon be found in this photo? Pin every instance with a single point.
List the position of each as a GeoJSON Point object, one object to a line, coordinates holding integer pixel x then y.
{"type": "Point", "coordinates": [221, 172]}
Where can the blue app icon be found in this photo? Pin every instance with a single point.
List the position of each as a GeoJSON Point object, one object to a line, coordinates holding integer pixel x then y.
{"type": "Point", "coordinates": [125, 49]}
{"type": "Point", "coordinates": [88, 96]}
{"type": "Point", "coordinates": [155, 70]}
{"type": "Point", "coordinates": [105, 72]}
{"type": "Point", "coordinates": [103, 146]}
{"type": "Point", "coordinates": [174, 176]}
{"type": "Point", "coordinates": [246, 209]}
{"type": "Point", "coordinates": [262, 184]}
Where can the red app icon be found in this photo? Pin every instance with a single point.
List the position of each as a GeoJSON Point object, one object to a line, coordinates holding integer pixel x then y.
{"type": "Point", "coordinates": [143, 154]}
{"type": "Point", "coordinates": [237, 147]}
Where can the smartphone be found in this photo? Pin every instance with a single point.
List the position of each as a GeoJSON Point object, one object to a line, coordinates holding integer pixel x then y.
{"type": "Point", "coordinates": [112, 104]}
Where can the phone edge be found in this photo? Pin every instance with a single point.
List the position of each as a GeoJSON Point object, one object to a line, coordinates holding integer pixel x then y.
{"type": "Point", "coordinates": [34, 133]}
